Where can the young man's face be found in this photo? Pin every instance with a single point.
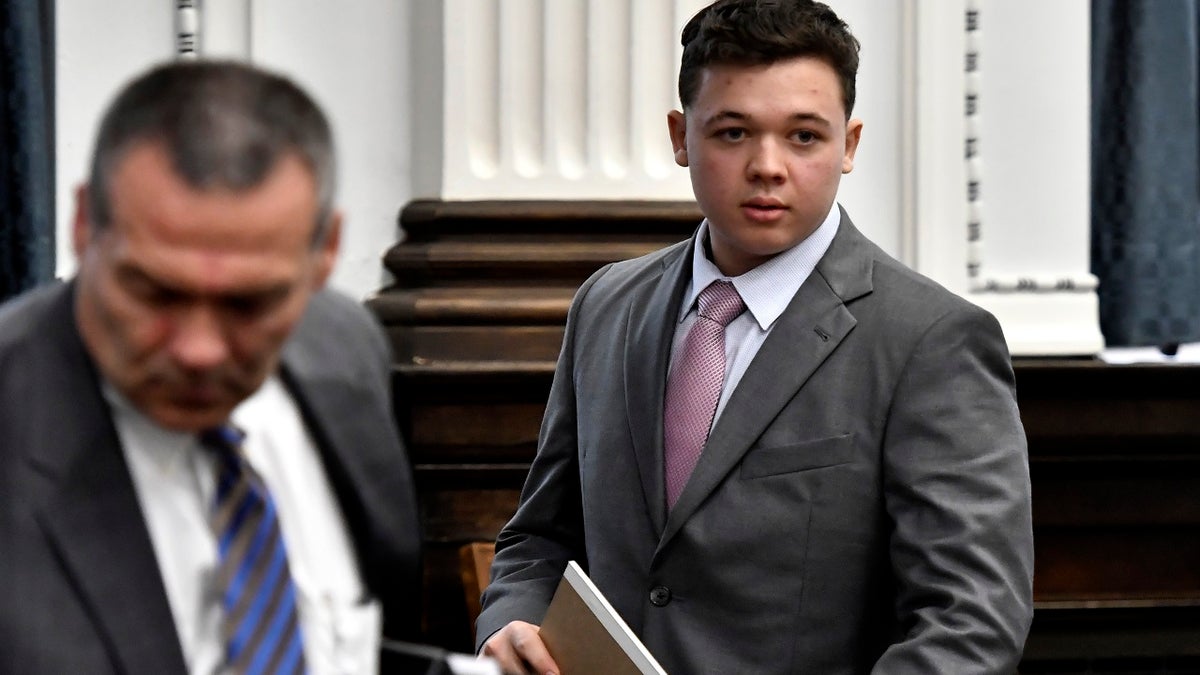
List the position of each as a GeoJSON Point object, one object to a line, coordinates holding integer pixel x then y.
{"type": "Point", "coordinates": [766, 146]}
{"type": "Point", "coordinates": [186, 298]}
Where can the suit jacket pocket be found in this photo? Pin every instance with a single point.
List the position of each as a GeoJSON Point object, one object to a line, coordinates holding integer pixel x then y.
{"type": "Point", "coordinates": [815, 454]}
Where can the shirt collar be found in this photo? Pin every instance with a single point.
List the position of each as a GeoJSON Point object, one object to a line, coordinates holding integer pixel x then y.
{"type": "Point", "coordinates": [166, 448]}
{"type": "Point", "coordinates": [768, 288]}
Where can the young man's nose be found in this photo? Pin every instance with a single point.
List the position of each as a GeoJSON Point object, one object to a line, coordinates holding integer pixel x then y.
{"type": "Point", "coordinates": [767, 162]}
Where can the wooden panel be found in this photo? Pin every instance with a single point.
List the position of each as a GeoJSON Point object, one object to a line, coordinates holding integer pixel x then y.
{"type": "Point", "coordinates": [426, 345]}
{"type": "Point", "coordinates": [511, 260]}
{"type": "Point", "coordinates": [449, 242]}
{"type": "Point", "coordinates": [1115, 464]}
{"type": "Point", "coordinates": [462, 515]}
{"type": "Point", "coordinates": [446, 622]}
{"type": "Point", "coordinates": [510, 305]}
{"type": "Point", "coordinates": [495, 425]}
{"type": "Point", "coordinates": [1109, 418]}
{"type": "Point", "coordinates": [475, 562]}
{"type": "Point", "coordinates": [1131, 495]}
{"type": "Point", "coordinates": [1133, 639]}
{"type": "Point", "coordinates": [1133, 562]}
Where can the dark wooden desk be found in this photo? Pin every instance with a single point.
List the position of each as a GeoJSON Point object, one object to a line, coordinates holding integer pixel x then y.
{"type": "Point", "coordinates": [1115, 463]}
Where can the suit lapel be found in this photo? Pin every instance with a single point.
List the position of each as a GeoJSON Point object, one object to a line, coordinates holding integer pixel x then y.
{"type": "Point", "coordinates": [653, 317]}
{"type": "Point", "coordinates": [810, 329]}
{"type": "Point", "coordinates": [92, 518]}
{"type": "Point", "coordinates": [329, 409]}
{"type": "Point", "coordinates": [371, 484]}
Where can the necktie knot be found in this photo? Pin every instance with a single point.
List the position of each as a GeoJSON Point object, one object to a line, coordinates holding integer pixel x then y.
{"type": "Point", "coordinates": [225, 435]}
{"type": "Point", "coordinates": [721, 303]}
{"type": "Point", "coordinates": [224, 438]}
{"type": "Point", "coordinates": [225, 442]}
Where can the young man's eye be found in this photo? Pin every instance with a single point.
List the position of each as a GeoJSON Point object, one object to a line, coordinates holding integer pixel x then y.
{"type": "Point", "coordinates": [805, 136]}
{"type": "Point", "coordinates": [732, 134]}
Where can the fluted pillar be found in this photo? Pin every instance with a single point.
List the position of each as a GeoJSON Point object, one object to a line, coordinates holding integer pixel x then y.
{"type": "Point", "coordinates": [547, 99]}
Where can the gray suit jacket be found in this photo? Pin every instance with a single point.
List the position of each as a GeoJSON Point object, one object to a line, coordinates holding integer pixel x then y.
{"type": "Point", "coordinates": [80, 587]}
{"type": "Point", "coordinates": [862, 504]}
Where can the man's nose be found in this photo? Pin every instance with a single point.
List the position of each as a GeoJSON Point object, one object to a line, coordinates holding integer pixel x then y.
{"type": "Point", "coordinates": [767, 162]}
{"type": "Point", "coordinates": [198, 340]}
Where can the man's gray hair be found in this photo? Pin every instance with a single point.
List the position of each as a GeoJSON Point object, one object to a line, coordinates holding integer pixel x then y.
{"type": "Point", "coordinates": [223, 124]}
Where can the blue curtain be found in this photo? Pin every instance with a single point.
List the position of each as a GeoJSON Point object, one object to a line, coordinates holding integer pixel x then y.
{"type": "Point", "coordinates": [26, 144]}
{"type": "Point", "coordinates": [1146, 170]}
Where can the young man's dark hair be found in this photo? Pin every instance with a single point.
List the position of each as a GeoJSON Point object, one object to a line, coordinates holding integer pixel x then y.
{"type": "Point", "coordinates": [751, 32]}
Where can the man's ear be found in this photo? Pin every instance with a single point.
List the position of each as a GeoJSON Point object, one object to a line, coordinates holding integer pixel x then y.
{"type": "Point", "coordinates": [677, 127]}
{"type": "Point", "coordinates": [327, 249]}
{"type": "Point", "coordinates": [81, 225]}
{"type": "Point", "coordinates": [853, 133]}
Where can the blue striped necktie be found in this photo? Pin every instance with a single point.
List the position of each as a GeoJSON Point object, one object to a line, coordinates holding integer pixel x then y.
{"type": "Point", "coordinates": [260, 623]}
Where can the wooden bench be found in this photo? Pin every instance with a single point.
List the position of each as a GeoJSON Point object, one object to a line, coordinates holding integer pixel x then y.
{"type": "Point", "coordinates": [475, 571]}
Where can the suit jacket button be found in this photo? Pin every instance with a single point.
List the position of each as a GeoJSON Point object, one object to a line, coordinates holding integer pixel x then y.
{"type": "Point", "coordinates": [660, 596]}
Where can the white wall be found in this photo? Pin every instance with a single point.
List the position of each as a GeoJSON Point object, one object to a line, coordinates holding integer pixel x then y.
{"type": "Point", "coordinates": [351, 56]}
{"type": "Point", "coordinates": [100, 45]}
{"type": "Point", "coordinates": [873, 192]}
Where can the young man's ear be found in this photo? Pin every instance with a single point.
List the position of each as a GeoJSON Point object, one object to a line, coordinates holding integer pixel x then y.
{"type": "Point", "coordinates": [853, 133]}
{"type": "Point", "coordinates": [677, 126]}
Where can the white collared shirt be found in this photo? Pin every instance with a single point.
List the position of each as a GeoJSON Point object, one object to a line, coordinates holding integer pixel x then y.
{"type": "Point", "coordinates": [766, 290]}
{"type": "Point", "coordinates": [175, 483]}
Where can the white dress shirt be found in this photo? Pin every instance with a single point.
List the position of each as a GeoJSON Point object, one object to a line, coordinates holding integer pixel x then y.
{"type": "Point", "coordinates": [766, 290]}
{"type": "Point", "coordinates": [175, 480]}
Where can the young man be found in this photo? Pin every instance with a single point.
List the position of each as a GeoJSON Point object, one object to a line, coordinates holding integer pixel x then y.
{"type": "Point", "coordinates": [774, 448]}
{"type": "Point", "coordinates": [199, 469]}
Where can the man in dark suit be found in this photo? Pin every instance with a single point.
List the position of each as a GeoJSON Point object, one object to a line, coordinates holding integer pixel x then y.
{"type": "Point", "coordinates": [199, 468]}
{"type": "Point", "coordinates": [774, 448]}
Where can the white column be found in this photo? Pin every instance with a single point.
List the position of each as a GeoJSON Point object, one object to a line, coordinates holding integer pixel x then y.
{"type": "Point", "coordinates": [548, 99]}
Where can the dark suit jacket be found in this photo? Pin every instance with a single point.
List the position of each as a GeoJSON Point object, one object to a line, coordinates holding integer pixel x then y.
{"type": "Point", "coordinates": [80, 590]}
{"type": "Point", "coordinates": [862, 504]}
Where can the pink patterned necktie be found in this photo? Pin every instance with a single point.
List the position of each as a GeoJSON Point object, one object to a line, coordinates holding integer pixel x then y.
{"type": "Point", "coordinates": [694, 387]}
